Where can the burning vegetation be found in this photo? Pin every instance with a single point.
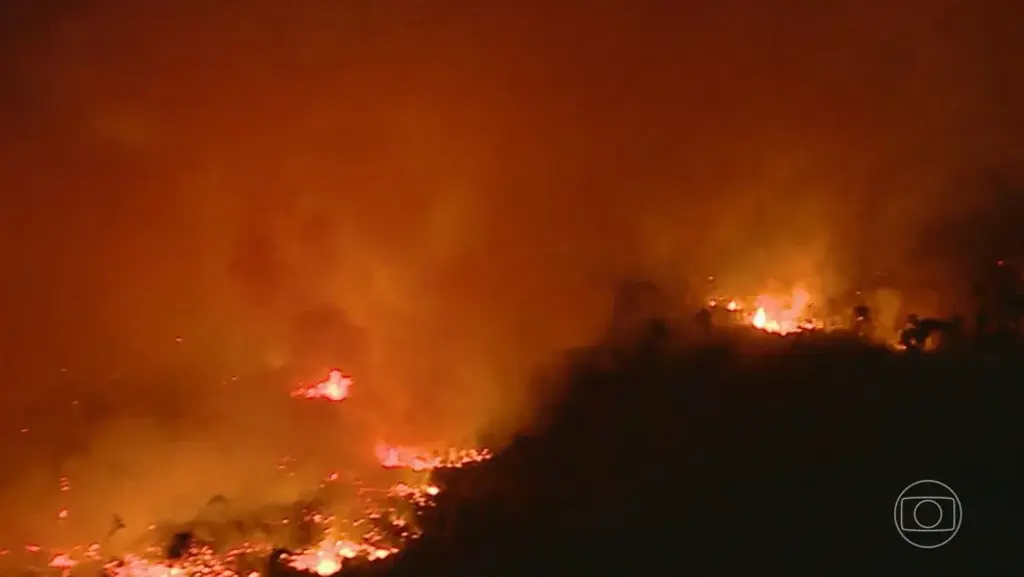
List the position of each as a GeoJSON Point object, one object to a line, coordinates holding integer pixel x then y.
{"type": "Point", "coordinates": [776, 314]}
{"type": "Point", "coordinates": [321, 541]}
{"type": "Point", "coordinates": [879, 312]}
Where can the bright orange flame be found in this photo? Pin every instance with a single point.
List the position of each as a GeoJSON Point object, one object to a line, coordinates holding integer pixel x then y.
{"type": "Point", "coordinates": [328, 557]}
{"type": "Point", "coordinates": [784, 315]}
{"type": "Point", "coordinates": [335, 388]}
{"type": "Point", "coordinates": [327, 567]}
{"type": "Point", "coordinates": [760, 318]}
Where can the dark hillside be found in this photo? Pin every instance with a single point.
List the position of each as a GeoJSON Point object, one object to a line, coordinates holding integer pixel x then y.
{"type": "Point", "coordinates": [757, 455]}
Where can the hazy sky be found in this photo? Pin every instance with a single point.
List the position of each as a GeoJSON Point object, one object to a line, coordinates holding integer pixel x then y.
{"type": "Point", "coordinates": [466, 180]}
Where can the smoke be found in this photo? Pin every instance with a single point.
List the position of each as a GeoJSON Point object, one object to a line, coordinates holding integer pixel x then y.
{"type": "Point", "coordinates": [436, 196]}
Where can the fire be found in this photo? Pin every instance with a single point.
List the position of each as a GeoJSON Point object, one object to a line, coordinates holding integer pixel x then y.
{"type": "Point", "coordinates": [335, 388]}
{"type": "Point", "coordinates": [329, 556]}
{"type": "Point", "coordinates": [386, 522]}
{"type": "Point", "coordinates": [760, 319]}
{"type": "Point", "coordinates": [780, 314]}
{"type": "Point", "coordinates": [783, 315]}
{"type": "Point", "coordinates": [199, 561]}
{"type": "Point", "coordinates": [392, 457]}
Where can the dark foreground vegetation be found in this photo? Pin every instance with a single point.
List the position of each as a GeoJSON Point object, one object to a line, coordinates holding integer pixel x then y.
{"type": "Point", "coordinates": [729, 456]}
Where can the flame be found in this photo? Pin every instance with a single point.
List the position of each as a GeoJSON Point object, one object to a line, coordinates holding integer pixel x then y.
{"type": "Point", "coordinates": [335, 388]}
{"type": "Point", "coordinates": [760, 319]}
{"type": "Point", "coordinates": [780, 314]}
{"type": "Point", "coordinates": [393, 457]}
{"type": "Point", "coordinates": [327, 567]}
{"type": "Point", "coordinates": [328, 557]}
{"type": "Point", "coordinates": [784, 315]}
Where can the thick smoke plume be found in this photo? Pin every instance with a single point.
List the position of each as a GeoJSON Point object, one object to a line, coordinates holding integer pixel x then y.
{"type": "Point", "coordinates": [435, 196]}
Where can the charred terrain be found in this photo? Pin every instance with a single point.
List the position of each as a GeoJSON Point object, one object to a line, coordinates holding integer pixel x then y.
{"type": "Point", "coordinates": [781, 453]}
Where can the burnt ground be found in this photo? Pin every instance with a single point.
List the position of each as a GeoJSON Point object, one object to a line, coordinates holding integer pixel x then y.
{"type": "Point", "coordinates": [717, 458]}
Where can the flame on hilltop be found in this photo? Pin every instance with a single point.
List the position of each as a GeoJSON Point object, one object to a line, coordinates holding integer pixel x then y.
{"type": "Point", "coordinates": [780, 314]}
{"type": "Point", "coordinates": [785, 315]}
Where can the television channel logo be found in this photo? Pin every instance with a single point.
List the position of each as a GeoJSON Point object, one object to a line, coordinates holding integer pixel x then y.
{"type": "Point", "coordinates": [928, 514]}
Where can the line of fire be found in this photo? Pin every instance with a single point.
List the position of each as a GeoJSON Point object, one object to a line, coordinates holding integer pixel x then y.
{"type": "Point", "coordinates": [998, 299]}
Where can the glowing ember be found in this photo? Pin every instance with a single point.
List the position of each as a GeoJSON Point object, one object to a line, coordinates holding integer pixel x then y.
{"type": "Point", "coordinates": [62, 561]}
{"type": "Point", "coordinates": [418, 494]}
{"type": "Point", "coordinates": [392, 457]}
{"type": "Point", "coordinates": [199, 561]}
{"type": "Point", "coordinates": [335, 388]}
{"type": "Point", "coordinates": [329, 556]}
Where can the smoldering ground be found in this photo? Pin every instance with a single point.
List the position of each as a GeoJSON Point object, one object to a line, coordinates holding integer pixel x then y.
{"type": "Point", "coordinates": [466, 183]}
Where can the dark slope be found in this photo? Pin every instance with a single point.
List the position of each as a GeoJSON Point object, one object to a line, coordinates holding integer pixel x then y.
{"type": "Point", "coordinates": [761, 455]}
